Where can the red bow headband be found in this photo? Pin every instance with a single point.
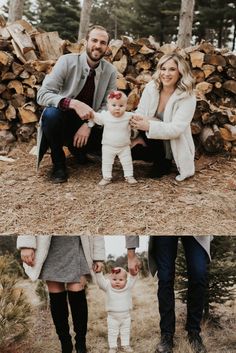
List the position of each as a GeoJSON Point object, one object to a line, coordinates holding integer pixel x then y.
{"type": "Point", "coordinates": [115, 270]}
{"type": "Point", "coordinates": [114, 94]}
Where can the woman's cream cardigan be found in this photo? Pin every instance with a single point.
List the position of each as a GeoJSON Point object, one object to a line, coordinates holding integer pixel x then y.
{"type": "Point", "coordinates": [175, 126]}
{"type": "Point", "coordinates": [93, 246]}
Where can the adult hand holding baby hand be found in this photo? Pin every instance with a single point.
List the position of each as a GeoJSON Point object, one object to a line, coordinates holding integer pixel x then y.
{"type": "Point", "coordinates": [139, 122]}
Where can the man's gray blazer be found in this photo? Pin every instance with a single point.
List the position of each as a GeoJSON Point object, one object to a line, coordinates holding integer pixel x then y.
{"type": "Point", "coordinates": [67, 79]}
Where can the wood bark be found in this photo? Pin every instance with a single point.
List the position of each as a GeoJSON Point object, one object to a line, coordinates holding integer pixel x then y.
{"type": "Point", "coordinates": [85, 18]}
{"type": "Point", "coordinates": [185, 23]}
{"type": "Point", "coordinates": [15, 11]}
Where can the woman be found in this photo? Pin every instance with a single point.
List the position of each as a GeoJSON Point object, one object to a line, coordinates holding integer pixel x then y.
{"type": "Point", "coordinates": [165, 112]}
{"type": "Point", "coordinates": [64, 262]}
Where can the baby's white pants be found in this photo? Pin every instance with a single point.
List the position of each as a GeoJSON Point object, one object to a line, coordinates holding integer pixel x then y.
{"type": "Point", "coordinates": [108, 156]}
{"type": "Point", "coordinates": [118, 323]}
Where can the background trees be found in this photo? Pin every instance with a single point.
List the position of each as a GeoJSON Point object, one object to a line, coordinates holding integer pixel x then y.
{"type": "Point", "coordinates": [214, 20]}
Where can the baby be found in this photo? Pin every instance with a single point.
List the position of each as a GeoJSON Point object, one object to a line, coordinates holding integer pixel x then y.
{"type": "Point", "coordinates": [118, 305]}
{"type": "Point", "coordinates": [116, 137]}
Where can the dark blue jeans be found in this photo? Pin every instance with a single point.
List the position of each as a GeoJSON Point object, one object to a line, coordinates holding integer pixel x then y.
{"type": "Point", "coordinates": [59, 128]}
{"type": "Point", "coordinates": [165, 250]}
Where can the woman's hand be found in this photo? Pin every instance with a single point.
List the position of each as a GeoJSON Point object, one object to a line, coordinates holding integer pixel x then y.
{"type": "Point", "coordinates": [97, 266]}
{"type": "Point", "coordinates": [28, 256]}
{"type": "Point", "coordinates": [139, 122]}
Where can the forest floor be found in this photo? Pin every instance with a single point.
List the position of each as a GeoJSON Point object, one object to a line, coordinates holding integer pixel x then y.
{"type": "Point", "coordinates": [219, 335]}
{"type": "Point", "coordinates": [30, 204]}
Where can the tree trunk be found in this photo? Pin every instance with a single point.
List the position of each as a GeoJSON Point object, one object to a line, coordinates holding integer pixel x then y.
{"type": "Point", "coordinates": [15, 12]}
{"type": "Point", "coordinates": [85, 18]}
{"type": "Point", "coordinates": [185, 23]}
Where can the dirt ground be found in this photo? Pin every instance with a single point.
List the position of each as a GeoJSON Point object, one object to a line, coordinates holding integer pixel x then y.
{"type": "Point", "coordinates": [145, 333]}
{"type": "Point", "coordinates": [30, 204]}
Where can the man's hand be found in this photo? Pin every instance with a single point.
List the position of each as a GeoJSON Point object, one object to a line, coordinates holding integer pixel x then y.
{"type": "Point", "coordinates": [81, 136]}
{"type": "Point", "coordinates": [83, 110]}
{"type": "Point", "coordinates": [28, 256]}
{"type": "Point", "coordinates": [97, 266]}
{"type": "Point", "coordinates": [133, 262]}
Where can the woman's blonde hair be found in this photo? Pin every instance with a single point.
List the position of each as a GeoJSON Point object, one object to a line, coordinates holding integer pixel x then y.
{"type": "Point", "coordinates": [186, 81]}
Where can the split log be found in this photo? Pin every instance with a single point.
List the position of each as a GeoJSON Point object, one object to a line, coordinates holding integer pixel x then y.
{"type": "Point", "coordinates": [230, 85]}
{"type": "Point", "coordinates": [16, 86]}
{"type": "Point", "coordinates": [27, 116]}
{"type": "Point", "coordinates": [6, 58]}
{"type": "Point", "coordinates": [211, 140]}
{"type": "Point", "coordinates": [50, 45]}
{"type": "Point", "coordinates": [10, 112]}
{"type": "Point", "coordinates": [21, 37]}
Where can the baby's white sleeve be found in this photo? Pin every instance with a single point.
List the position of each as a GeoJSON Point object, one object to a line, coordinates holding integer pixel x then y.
{"type": "Point", "coordinates": [102, 282]}
{"type": "Point", "coordinates": [99, 118]}
{"type": "Point", "coordinates": [131, 280]}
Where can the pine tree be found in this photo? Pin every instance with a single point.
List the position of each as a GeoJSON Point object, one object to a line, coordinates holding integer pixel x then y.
{"type": "Point", "coordinates": [222, 273]}
{"type": "Point", "coordinates": [52, 15]}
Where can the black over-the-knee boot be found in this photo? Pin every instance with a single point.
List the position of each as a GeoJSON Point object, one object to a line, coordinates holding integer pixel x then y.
{"type": "Point", "coordinates": [60, 313]}
{"type": "Point", "coordinates": [79, 312]}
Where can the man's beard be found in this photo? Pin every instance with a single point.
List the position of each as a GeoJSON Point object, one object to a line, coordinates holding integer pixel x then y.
{"type": "Point", "coordinates": [91, 57]}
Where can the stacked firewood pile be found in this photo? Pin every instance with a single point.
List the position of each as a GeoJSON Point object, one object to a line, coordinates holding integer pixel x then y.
{"type": "Point", "coordinates": [27, 55]}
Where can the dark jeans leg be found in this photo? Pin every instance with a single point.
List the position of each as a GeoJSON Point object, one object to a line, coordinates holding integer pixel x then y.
{"type": "Point", "coordinates": [197, 260]}
{"type": "Point", "coordinates": [153, 152]}
{"type": "Point", "coordinates": [165, 250]}
{"type": "Point", "coordinates": [59, 128]}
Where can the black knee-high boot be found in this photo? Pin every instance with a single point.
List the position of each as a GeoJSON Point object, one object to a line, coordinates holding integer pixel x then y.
{"type": "Point", "coordinates": [60, 313]}
{"type": "Point", "coordinates": [79, 312]}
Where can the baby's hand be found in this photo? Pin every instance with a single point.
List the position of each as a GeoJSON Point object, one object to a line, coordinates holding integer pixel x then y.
{"type": "Point", "coordinates": [97, 266]}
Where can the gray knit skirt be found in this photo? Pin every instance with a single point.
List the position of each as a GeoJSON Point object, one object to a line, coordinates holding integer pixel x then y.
{"type": "Point", "coordinates": [66, 261]}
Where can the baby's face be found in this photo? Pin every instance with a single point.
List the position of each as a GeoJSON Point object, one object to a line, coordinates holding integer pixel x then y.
{"type": "Point", "coordinates": [117, 107]}
{"type": "Point", "coordinates": [118, 280]}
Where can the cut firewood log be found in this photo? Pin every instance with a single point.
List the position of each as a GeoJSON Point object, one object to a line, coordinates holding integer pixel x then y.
{"type": "Point", "coordinates": [208, 70]}
{"type": "Point", "coordinates": [29, 92]}
{"type": "Point", "coordinates": [115, 46]}
{"type": "Point", "coordinates": [2, 87]}
{"type": "Point", "coordinates": [4, 125]}
{"type": "Point", "coordinates": [50, 45]}
{"type": "Point", "coordinates": [199, 75]}
{"type": "Point", "coordinates": [31, 81]}
{"type": "Point", "coordinates": [197, 59]}
{"type": "Point", "coordinates": [21, 37]}
{"type": "Point", "coordinates": [143, 65]}
{"type": "Point", "coordinates": [196, 127]}
{"type": "Point", "coordinates": [204, 87]}
{"type": "Point", "coordinates": [77, 47]}
{"type": "Point", "coordinates": [18, 100]}
{"type": "Point", "coordinates": [133, 99]}
{"type": "Point", "coordinates": [10, 113]}
{"type": "Point", "coordinates": [16, 86]}
{"type": "Point", "coordinates": [230, 85]}
{"type": "Point", "coordinates": [3, 104]}
{"type": "Point", "coordinates": [121, 82]}
{"type": "Point", "coordinates": [6, 58]}
{"type": "Point", "coordinates": [17, 68]}
{"type": "Point", "coordinates": [27, 116]}
{"type": "Point", "coordinates": [121, 64]}
{"type": "Point", "coordinates": [24, 74]}
{"type": "Point", "coordinates": [215, 59]}
{"type": "Point", "coordinates": [7, 76]}
{"type": "Point", "coordinates": [211, 141]}
{"type": "Point", "coordinates": [232, 130]}
{"type": "Point", "coordinates": [43, 65]}
{"type": "Point", "coordinates": [25, 132]}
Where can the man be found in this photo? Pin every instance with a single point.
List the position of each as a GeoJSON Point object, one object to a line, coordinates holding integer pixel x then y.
{"type": "Point", "coordinates": [77, 85]}
{"type": "Point", "coordinates": [162, 253]}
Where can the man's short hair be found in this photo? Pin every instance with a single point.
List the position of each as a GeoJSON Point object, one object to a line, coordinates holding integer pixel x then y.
{"type": "Point", "coordinates": [101, 28]}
